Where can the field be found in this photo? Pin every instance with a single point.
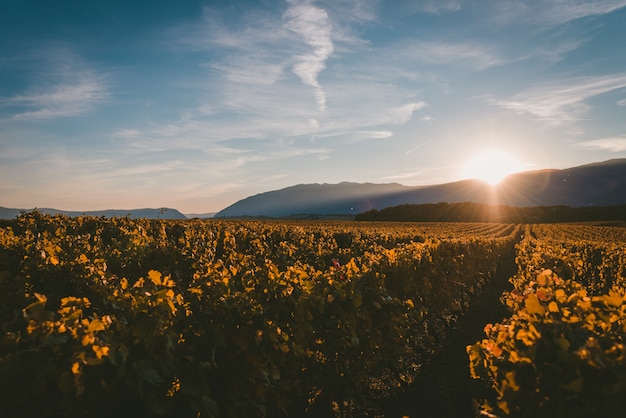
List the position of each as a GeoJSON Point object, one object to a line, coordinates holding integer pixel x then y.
{"type": "Point", "coordinates": [148, 318]}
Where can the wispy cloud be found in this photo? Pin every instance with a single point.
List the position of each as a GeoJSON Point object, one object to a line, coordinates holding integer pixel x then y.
{"type": "Point", "coordinates": [622, 102]}
{"type": "Point", "coordinates": [374, 134]}
{"type": "Point", "coordinates": [611, 144]}
{"type": "Point", "coordinates": [402, 114]}
{"type": "Point", "coordinates": [250, 70]}
{"type": "Point", "coordinates": [435, 6]}
{"type": "Point", "coordinates": [418, 146]}
{"type": "Point", "coordinates": [547, 13]}
{"type": "Point", "coordinates": [252, 49]}
{"type": "Point", "coordinates": [256, 48]}
{"type": "Point", "coordinates": [249, 58]}
{"type": "Point", "coordinates": [562, 11]}
{"type": "Point", "coordinates": [402, 176]}
{"type": "Point", "coordinates": [312, 25]}
{"type": "Point", "coordinates": [562, 101]}
{"type": "Point", "coordinates": [68, 87]}
{"type": "Point", "coordinates": [60, 100]}
{"type": "Point", "coordinates": [471, 55]}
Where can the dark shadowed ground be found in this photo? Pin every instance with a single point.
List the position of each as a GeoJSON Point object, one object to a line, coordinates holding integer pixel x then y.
{"type": "Point", "coordinates": [444, 388]}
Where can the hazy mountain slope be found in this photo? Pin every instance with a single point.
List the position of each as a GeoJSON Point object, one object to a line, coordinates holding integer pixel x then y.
{"type": "Point", "coordinates": [342, 198]}
{"type": "Point", "coordinates": [598, 184]}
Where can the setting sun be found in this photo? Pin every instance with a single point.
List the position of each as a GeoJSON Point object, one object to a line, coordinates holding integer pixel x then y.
{"type": "Point", "coordinates": [492, 166]}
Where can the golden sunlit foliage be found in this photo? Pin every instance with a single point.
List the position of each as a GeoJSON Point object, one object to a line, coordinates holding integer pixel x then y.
{"type": "Point", "coordinates": [105, 317]}
{"type": "Point", "coordinates": [561, 353]}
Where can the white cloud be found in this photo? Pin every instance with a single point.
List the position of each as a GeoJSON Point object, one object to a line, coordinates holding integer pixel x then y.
{"type": "Point", "coordinates": [562, 101]}
{"type": "Point", "coordinates": [312, 25]}
{"type": "Point", "coordinates": [555, 50]}
{"type": "Point", "coordinates": [250, 70]}
{"type": "Point", "coordinates": [435, 6]}
{"type": "Point", "coordinates": [67, 98]}
{"type": "Point", "coordinates": [547, 13]}
{"type": "Point", "coordinates": [402, 176]}
{"type": "Point", "coordinates": [126, 134]}
{"type": "Point", "coordinates": [359, 11]}
{"type": "Point", "coordinates": [611, 144]}
{"type": "Point", "coordinates": [418, 146]}
{"type": "Point", "coordinates": [562, 11]}
{"type": "Point", "coordinates": [65, 87]}
{"type": "Point", "coordinates": [255, 48]}
{"type": "Point", "coordinates": [469, 55]}
{"type": "Point", "coordinates": [374, 134]}
{"type": "Point", "coordinates": [622, 102]}
{"type": "Point", "coordinates": [402, 114]}
{"type": "Point", "coordinates": [249, 48]}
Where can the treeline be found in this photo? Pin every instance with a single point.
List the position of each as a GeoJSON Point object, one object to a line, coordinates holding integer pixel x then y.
{"type": "Point", "coordinates": [476, 212]}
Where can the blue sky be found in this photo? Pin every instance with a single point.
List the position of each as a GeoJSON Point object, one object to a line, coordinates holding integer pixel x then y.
{"type": "Point", "coordinates": [197, 104]}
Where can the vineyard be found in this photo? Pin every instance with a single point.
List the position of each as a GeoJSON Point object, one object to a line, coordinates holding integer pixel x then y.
{"type": "Point", "coordinates": [190, 318]}
{"type": "Point", "coordinates": [561, 352]}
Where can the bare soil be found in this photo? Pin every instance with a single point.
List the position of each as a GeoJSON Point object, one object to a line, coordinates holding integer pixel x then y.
{"type": "Point", "coordinates": [444, 387]}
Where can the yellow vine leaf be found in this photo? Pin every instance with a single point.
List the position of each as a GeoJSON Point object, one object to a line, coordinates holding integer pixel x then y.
{"type": "Point", "coordinates": [88, 339]}
{"type": "Point", "coordinates": [533, 307]}
{"type": "Point", "coordinates": [528, 336]}
{"type": "Point", "coordinates": [614, 298]}
{"type": "Point", "coordinates": [155, 277]}
{"type": "Point", "coordinates": [100, 351]}
{"type": "Point", "coordinates": [511, 381]}
{"type": "Point", "coordinates": [95, 325]}
{"type": "Point", "coordinates": [76, 368]}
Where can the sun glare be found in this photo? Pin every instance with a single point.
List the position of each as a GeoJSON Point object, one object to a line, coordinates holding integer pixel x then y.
{"type": "Point", "coordinates": [492, 166]}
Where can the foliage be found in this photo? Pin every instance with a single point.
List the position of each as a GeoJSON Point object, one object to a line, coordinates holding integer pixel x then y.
{"type": "Point", "coordinates": [561, 352]}
{"type": "Point", "coordinates": [132, 317]}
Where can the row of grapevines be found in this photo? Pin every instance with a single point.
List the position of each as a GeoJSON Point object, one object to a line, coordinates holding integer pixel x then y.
{"type": "Point", "coordinates": [105, 317]}
{"type": "Point", "coordinates": [561, 353]}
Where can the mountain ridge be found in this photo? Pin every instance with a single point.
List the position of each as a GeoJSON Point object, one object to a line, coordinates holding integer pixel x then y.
{"type": "Point", "coordinates": [148, 213]}
{"type": "Point", "coordinates": [594, 184]}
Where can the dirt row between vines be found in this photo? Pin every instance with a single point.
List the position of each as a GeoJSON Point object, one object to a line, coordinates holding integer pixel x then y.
{"type": "Point", "coordinates": [444, 387]}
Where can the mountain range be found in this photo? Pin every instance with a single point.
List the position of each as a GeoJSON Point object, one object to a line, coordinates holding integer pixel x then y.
{"type": "Point", "coordinates": [596, 184]}
{"type": "Point", "coordinates": [161, 213]}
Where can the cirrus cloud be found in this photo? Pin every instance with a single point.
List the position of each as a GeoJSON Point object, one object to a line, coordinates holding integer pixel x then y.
{"type": "Point", "coordinates": [67, 87]}
{"type": "Point", "coordinates": [312, 25]}
{"type": "Point", "coordinates": [611, 144]}
{"type": "Point", "coordinates": [562, 101]}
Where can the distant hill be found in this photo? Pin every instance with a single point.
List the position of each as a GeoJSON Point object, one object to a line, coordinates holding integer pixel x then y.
{"type": "Point", "coordinates": [160, 213]}
{"type": "Point", "coordinates": [319, 199]}
{"type": "Point", "coordinates": [597, 184]}
{"type": "Point", "coordinates": [200, 215]}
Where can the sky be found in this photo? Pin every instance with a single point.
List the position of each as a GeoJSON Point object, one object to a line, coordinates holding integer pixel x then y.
{"type": "Point", "coordinates": [195, 105]}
